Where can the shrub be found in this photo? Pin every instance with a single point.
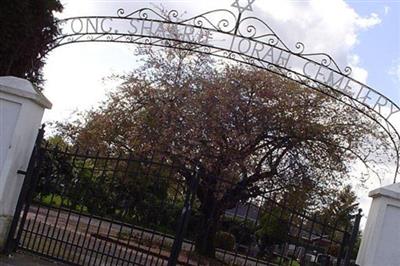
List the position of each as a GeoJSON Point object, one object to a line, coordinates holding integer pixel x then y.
{"type": "Point", "coordinates": [244, 231]}
{"type": "Point", "coordinates": [225, 240]}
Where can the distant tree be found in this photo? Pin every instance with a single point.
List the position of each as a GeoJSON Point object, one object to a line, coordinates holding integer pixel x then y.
{"type": "Point", "coordinates": [340, 212]}
{"type": "Point", "coordinates": [342, 207]}
{"type": "Point", "coordinates": [27, 30]}
{"type": "Point", "coordinates": [248, 131]}
{"type": "Point", "coordinates": [273, 230]}
{"type": "Point", "coordinates": [133, 190]}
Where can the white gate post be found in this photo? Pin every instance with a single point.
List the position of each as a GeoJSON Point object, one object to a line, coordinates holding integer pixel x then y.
{"type": "Point", "coordinates": [380, 244]}
{"type": "Point", "coordinates": [21, 112]}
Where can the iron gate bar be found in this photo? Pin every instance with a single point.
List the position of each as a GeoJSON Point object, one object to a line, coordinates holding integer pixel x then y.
{"type": "Point", "coordinates": [159, 165]}
{"type": "Point", "coordinates": [342, 251]}
{"type": "Point", "coordinates": [164, 236]}
{"type": "Point", "coordinates": [353, 237]}
{"type": "Point", "coordinates": [55, 151]}
{"type": "Point", "coordinates": [28, 186]}
{"type": "Point", "coordinates": [45, 230]}
{"type": "Point", "coordinates": [33, 235]}
{"type": "Point", "coordinates": [152, 236]}
{"type": "Point", "coordinates": [184, 219]}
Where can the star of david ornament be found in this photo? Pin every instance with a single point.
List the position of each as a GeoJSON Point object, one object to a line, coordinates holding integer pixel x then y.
{"type": "Point", "coordinates": [243, 8]}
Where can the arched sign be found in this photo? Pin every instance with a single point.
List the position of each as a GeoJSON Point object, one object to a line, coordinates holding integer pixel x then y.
{"type": "Point", "coordinates": [245, 39]}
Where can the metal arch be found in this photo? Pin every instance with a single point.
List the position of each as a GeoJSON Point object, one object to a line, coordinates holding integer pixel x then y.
{"type": "Point", "coordinates": [147, 27]}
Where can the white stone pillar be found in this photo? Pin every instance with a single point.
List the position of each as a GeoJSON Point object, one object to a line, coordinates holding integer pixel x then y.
{"type": "Point", "coordinates": [21, 111]}
{"type": "Point", "coordinates": [380, 244]}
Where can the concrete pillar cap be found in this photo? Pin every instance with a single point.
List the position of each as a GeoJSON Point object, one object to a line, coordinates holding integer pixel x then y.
{"type": "Point", "coordinates": [390, 191]}
{"type": "Point", "coordinates": [23, 88]}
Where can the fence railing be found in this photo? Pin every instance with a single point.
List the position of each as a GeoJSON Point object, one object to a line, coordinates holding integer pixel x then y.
{"type": "Point", "coordinates": [91, 209]}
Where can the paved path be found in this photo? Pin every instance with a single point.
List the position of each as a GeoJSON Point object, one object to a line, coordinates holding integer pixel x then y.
{"type": "Point", "coordinates": [26, 259]}
{"type": "Point", "coordinates": [87, 240]}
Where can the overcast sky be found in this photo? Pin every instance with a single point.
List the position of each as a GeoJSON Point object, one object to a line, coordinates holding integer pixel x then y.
{"type": "Point", "coordinates": [362, 34]}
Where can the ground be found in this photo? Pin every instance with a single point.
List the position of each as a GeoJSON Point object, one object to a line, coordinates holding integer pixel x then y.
{"type": "Point", "coordinates": [26, 259]}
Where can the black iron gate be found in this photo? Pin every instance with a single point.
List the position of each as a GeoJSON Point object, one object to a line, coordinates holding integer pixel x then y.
{"type": "Point", "coordinates": [90, 209]}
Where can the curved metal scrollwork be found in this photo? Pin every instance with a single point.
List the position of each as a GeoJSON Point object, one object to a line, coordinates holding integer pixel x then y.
{"type": "Point", "coordinates": [246, 39]}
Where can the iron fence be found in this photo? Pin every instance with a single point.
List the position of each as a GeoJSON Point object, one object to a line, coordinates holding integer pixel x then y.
{"type": "Point", "coordinates": [92, 209]}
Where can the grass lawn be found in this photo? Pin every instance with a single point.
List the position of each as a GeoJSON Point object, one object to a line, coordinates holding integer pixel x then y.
{"type": "Point", "coordinates": [281, 261]}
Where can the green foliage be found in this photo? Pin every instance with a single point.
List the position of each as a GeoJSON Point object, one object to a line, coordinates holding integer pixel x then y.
{"type": "Point", "coordinates": [129, 190]}
{"type": "Point", "coordinates": [244, 231]}
{"type": "Point", "coordinates": [225, 240]}
{"type": "Point", "coordinates": [273, 230]}
{"type": "Point", "coordinates": [27, 31]}
{"type": "Point", "coordinates": [341, 207]}
{"type": "Point", "coordinates": [286, 262]}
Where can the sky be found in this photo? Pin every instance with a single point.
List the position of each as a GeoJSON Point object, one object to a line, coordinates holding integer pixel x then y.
{"type": "Point", "coordinates": [362, 34]}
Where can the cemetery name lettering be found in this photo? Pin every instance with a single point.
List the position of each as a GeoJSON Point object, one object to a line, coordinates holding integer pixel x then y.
{"type": "Point", "coordinates": [260, 53]}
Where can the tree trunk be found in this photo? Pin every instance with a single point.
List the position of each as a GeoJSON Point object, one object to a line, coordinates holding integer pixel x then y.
{"type": "Point", "coordinates": [208, 227]}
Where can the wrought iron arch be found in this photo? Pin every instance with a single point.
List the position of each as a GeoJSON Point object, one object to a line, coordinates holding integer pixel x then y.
{"type": "Point", "coordinates": [245, 39]}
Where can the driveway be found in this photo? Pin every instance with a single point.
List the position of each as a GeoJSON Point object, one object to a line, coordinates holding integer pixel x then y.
{"type": "Point", "coordinates": [26, 259]}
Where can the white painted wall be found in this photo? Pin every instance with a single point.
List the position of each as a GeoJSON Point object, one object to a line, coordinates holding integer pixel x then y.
{"type": "Point", "coordinates": [380, 245]}
{"type": "Point", "coordinates": [9, 112]}
{"type": "Point", "coordinates": [21, 111]}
